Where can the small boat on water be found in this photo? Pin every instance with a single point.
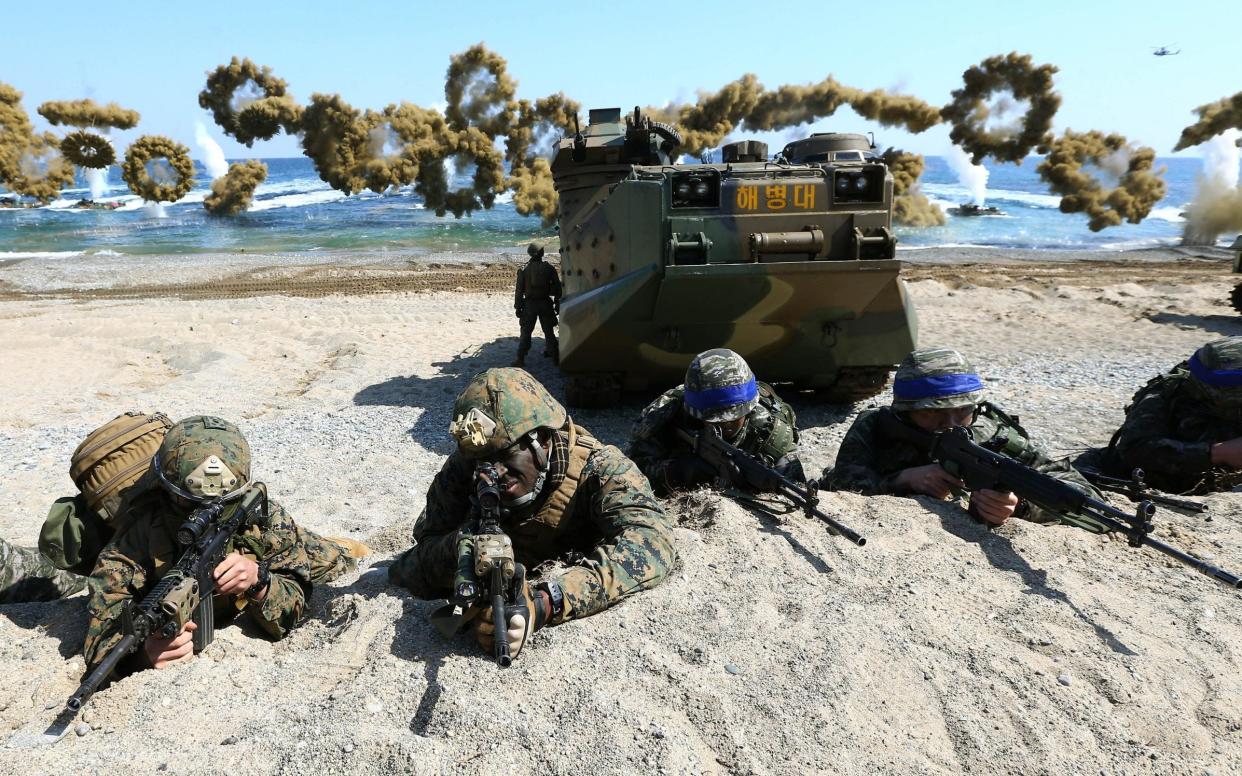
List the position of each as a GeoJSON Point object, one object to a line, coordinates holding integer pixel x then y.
{"type": "Point", "coordinates": [90, 204]}
{"type": "Point", "coordinates": [975, 210]}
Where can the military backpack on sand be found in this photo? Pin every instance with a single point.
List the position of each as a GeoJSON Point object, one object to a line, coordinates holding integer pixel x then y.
{"type": "Point", "coordinates": [112, 458]}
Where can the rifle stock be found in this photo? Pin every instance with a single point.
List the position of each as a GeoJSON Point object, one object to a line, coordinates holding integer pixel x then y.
{"type": "Point", "coordinates": [725, 457]}
{"type": "Point", "coordinates": [981, 468]}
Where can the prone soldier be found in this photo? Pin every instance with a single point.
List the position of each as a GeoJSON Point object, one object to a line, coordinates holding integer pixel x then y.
{"type": "Point", "coordinates": [936, 389]}
{"type": "Point", "coordinates": [564, 496]}
{"type": "Point", "coordinates": [720, 393]}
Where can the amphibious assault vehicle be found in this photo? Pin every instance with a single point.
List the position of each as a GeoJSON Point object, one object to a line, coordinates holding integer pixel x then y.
{"type": "Point", "coordinates": [790, 262]}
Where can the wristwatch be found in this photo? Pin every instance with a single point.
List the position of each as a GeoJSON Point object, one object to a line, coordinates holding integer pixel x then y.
{"type": "Point", "coordinates": [555, 595]}
{"type": "Point", "coordinates": [261, 584]}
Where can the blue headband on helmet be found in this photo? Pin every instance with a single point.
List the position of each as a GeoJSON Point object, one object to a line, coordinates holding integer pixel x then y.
{"type": "Point", "coordinates": [1220, 378]}
{"type": "Point", "coordinates": [931, 387]}
{"type": "Point", "coordinates": [725, 396]}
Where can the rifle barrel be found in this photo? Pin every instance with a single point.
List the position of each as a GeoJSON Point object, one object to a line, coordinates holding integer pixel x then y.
{"type": "Point", "coordinates": [101, 673]}
{"type": "Point", "coordinates": [500, 643]}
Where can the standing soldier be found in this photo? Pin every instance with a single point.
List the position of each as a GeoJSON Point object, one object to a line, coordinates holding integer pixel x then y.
{"type": "Point", "coordinates": [537, 295]}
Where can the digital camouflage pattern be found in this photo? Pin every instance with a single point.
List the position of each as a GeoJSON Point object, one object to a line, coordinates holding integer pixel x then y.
{"type": "Point", "coordinates": [714, 369]}
{"type": "Point", "coordinates": [769, 261]}
{"type": "Point", "coordinates": [537, 297]}
{"type": "Point", "coordinates": [868, 462]}
{"type": "Point", "coordinates": [1173, 421]}
{"type": "Point", "coordinates": [930, 363]}
{"type": "Point", "coordinates": [499, 407]}
{"type": "Point", "coordinates": [770, 435]}
{"type": "Point", "coordinates": [612, 533]}
{"type": "Point", "coordinates": [25, 575]}
{"type": "Point", "coordinates": [135, 560]}
{"type": "Point", "coordinates": [191, 441]}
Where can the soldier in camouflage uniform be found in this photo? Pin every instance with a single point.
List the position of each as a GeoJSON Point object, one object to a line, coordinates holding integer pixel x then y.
{"type": "Point", "coordinates": [937, 389]}
{"type": "Point", "coordinates": [1184, 428]}
{"type": "Point", "coordinates": [267, 574]}
{"type": "Point", "coordinates": [566, 496]}
{"type": "Point", "coordinates": [721, 393]}
{"type": "Point", "coordinates": [25, 575]}
{"type": "Point", "coordinates": [537, 296]}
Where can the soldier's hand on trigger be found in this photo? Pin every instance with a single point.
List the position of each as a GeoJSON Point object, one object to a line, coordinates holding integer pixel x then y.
{"type": "Point", "coordinates": [235, 574]}
{"type": "Point", "coordinates": [1228, 453]}
{"type": "Point", "coordinates": [528, 615]}
{"type": "Point", "coordinates": [162, 653]}
{"type": "Point", "coordinates": [930, 480]}
{"type": "Point", "coordinates": [993, 506]}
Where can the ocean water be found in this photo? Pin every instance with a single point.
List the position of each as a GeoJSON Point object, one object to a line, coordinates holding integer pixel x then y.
{"type": "Point", "coordinates": [294, 211]}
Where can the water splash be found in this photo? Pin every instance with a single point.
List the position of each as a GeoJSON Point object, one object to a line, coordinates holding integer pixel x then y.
{"type": "Point", "coordinates": [973, 176]}
{"type": "Point", "coordinates": [213, 154]}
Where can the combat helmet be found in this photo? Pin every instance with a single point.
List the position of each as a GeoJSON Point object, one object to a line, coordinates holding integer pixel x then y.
{"type": "Point", "coordinates": [720, 386]}
{"type": "Point", "coordinates": [1216, 372]}
{"type": "Point", "coordinates": [935, 378]}
{"type": "Point", "coordinates": [498, 408]}
{"type": "Point", "coordinates": [534, 251]}
{"type": "Point", "coordinates": [203, 458]}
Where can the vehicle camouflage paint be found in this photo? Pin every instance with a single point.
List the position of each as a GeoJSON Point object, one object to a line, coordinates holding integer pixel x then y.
{"type": "Point", "coordinates": [789, 262]}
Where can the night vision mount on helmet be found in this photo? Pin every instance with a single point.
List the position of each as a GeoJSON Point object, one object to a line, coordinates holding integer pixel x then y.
{"type": "Point", "coordinates": [789, 262]}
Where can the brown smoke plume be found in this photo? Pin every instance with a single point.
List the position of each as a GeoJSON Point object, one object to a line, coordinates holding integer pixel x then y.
{"type": "Point", "coordinates": [16, 132]}
{"type": "Point", "coordinates": [969, 110]}
{"type": "Point", "coordinates": [88, 114]}
{"type": "Point", "coordinates": [910, 206]}
{"type": "Point", "coordinates": [479, 92]}
{"type": "Point", "coordinates": [87, 149]}
{"type": "Point", "coordinates": [253, 117]}
{"type": "Point", "coordinates": [1214, 118]}
{"type": "Point", "coordinates": [37, 169]}
{"type": "Point", "coordinates": [232, 192]}
{"type": "Point", "coordinates": [533, 191]}
{"type": "Point", "coordinates": [745, 101]}
{"type": "Point", "coordinates": [1139, 187]}
{"type": "Point", "coordinates": [166, 185]}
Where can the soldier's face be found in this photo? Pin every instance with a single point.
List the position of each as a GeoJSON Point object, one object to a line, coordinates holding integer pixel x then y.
{"type": "Point", "coordinates": [942, 419]}
{"type": "Point", "coordinates": [518, 470]}
{"type": "Point", "coordinates": [729, 428]}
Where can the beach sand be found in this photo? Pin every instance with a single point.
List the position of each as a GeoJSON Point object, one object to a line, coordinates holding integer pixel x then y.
{"type": "Point", "coordinates": [939, 647]}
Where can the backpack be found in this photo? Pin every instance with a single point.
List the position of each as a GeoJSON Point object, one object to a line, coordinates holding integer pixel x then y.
{"type": "Point", "coordinates": [110, 460]}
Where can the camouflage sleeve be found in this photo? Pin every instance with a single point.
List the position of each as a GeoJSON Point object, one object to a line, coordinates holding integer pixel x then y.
{"type": "Point", "coordinates": [280, 547]}
{"type": "Point", "coordinates": [120, 574]}
{"type": "Point", "coordinates": [26, 575]}
{"type": "Point", "coordinates": [519, 289]}
{"type": "Point", "coordinates": [857, 467]}
{"type": "Point", "coordinates": [1146, 441]}
{"type": "Point", "coordinates": [649, 448]}
{"type": "Point", "coordinates": [636, 551]}
{"type": "Point", "coordinates": [427, 568]}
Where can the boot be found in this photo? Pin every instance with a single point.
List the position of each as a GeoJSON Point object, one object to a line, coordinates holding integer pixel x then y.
{"type": "Point", "coordinates": [519, 361]}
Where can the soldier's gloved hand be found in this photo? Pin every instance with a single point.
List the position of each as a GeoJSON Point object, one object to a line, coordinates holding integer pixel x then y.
{"type": "Point", "coordinates": [527, 615]}
{"type": "Point", "coordinates": [689, 471]}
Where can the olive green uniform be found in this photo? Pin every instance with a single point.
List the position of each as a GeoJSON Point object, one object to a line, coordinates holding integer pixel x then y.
{"type": "Point", "coordinates": [770, 435]}
{"type": "Point", "coordinates": [868, 462]}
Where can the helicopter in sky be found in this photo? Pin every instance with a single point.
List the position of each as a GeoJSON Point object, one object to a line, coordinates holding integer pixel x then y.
{"type": "Point", "coordinates": [1164, 51]}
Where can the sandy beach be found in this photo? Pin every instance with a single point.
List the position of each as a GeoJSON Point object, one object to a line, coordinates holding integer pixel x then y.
{"type": "Point", "coordinates": [939, 647]}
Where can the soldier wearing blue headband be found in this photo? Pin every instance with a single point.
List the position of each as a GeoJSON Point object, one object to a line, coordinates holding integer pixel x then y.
{"type": "Point", "coordinates": [937, 389]}
{"type": "Point", "coordinates": [1184, 428]}
{"type": "Point", "coordinates": [720, 393]}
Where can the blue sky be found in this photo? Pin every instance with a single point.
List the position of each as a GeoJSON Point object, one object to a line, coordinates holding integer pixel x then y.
{"type": "Point", "coordinates": [153, 57]}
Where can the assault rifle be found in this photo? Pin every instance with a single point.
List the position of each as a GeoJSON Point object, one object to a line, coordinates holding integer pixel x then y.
{"type": "Point", "coordinates": [486, 571]}
{"type": "Point", "coordinates": [735, 465]}
{"type": "Point", "coordinates": [1137, 490]}
{"type": "Point", "coordinates": [981, 468]}
{"type": "Point", "coordinates": [184, 593]}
